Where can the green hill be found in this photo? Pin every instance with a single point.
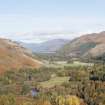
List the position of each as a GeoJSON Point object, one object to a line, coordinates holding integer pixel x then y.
{"type": "Point", "coordinates": [87, 45]}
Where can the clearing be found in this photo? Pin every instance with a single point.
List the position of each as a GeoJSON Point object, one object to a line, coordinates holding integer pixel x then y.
{"type": "Point", "coordinates": [54, 81]}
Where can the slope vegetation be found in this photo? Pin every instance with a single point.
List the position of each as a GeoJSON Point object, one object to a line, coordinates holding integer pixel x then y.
{"type": "Point", "coordinates": [13, 56]}
{"type": "Point", "coordinates": [87, 45]}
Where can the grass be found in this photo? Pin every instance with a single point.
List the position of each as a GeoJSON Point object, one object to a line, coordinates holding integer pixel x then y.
{"type": "Point", "coordinates": [77, 63]}
{"type": "Point", "coordinates": [54, 81]}
{"type": "Point", "coordinates": [74, 64]}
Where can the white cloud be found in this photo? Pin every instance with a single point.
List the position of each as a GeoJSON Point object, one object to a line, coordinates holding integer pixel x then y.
{"type": "Point", "coordinates": [53, 28]}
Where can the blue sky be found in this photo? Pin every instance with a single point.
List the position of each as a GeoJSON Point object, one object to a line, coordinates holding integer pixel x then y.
{"type": "Point", "coordinates": [41, 20]}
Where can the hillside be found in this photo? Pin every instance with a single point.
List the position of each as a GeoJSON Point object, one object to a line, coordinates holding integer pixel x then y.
{"type": "Point", "coordinates": [13, 56]}
{"type": "Point", "coordinates": [87, 45]}
{"type": "Point", "coordinates": [50, 46]}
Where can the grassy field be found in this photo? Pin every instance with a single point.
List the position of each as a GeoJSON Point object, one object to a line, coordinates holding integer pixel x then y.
{"type": "Point", "coordinates": [54, 81]}
{"type": "Point", "coordinates": [77, 64]}
{"type": "Point", "coordinates": [63, 64]}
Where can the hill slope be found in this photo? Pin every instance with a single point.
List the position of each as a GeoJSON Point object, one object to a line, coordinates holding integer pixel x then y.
{"type": "Point", "coordinates": [13, 56]}
{"type": "Point", "coordinates": [50, 46]}
{"type": "Point", "coordinates": [87, 45]}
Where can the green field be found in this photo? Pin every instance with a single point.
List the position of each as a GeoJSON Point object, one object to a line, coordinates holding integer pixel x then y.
{"type": "Point", "coordinates": [63, 64]}
{"type": "Point", "coordinates": [54, 81]}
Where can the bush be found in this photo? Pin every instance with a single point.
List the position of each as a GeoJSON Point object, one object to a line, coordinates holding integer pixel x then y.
{"type": "Point", "coordinates": [25, 89]}
{"type": "Point", "coordinates": [7, 100]}
{"type": "Point", "coordinates": [68, 100]}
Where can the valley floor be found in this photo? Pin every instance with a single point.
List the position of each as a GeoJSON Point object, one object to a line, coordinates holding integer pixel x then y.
{"type": "Point", "coordinates": [58, 83]}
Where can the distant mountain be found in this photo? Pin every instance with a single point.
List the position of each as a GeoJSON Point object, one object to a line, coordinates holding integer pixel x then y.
{"type": "Point", "coordinates": [50, 46]}
{"type": "Point", "coordinates": [87, 45]}
{"type": "Point", "coordinates": [14, 57]}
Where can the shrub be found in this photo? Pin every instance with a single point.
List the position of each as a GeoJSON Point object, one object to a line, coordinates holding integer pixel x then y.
{"type": "Point", "coordinates": [7, 100]}
{"type": "Point", "coordinates": [25, 89]}
{"type": "Point", "coordinates": [68, 100]}
{"type": "Point", "coordinates": [72, 100]}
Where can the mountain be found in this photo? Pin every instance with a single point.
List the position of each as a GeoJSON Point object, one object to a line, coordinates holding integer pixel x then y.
{"type": "Point", "coordinates": [50, 46]}
{"type": "Point", "coordinates": [87, 45]}
{"type": "Point", "coordinates": [13, 56]}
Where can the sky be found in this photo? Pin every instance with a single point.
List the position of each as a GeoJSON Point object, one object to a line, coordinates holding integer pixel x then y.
{"type": "Point", "coordinates": [35, 21]}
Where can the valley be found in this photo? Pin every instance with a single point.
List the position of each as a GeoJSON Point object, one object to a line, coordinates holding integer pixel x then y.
{"type": "Point", "coordinates": [53, 79]}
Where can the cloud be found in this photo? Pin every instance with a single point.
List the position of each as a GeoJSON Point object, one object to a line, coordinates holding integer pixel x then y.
{"type": "Point", "coordinates": [55, 28]}
{"type": "Point", "coordinates": [36, 37]}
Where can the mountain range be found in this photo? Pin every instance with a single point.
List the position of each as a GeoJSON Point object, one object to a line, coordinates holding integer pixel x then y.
{"type": "Point", "coordinates": [92, 45]}
{"type": "Point", "coordinates": [14, 56]}
{"type": "Point", "coordinates": [89, 45]}
{"type": "Point", "coordinates": [50, 46]}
